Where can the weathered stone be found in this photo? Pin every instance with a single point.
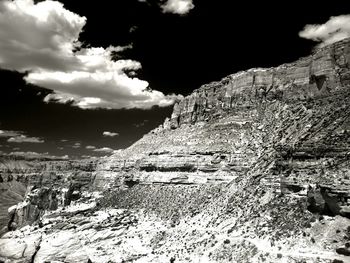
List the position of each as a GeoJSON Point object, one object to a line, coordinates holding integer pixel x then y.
{"type": "Point", "coordinates": [233, 118]}
{"type": "Point", "coordinates": [50, 178]}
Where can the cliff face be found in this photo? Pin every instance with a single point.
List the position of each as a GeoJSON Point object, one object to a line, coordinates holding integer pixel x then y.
{"type": "Point", "coordinates": [298, 111]}
{"type": "Point", "coordinates": [319, 75]}
{"type": "Point", "coordinates": [253, 168]}
{"type": "Point", "coordinates": [38, 185]}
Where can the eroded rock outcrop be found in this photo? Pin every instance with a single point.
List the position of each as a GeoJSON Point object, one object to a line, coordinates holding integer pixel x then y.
{"type": "Point", "coordinates": [299, 111]}
{"type": "Point", "coordinates": [30, 187]}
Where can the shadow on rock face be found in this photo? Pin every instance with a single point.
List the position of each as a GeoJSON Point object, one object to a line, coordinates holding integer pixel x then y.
{"type": "Point", "coordinates": [321, 201]}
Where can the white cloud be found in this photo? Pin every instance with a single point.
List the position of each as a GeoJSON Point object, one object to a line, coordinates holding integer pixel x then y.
{"type": "Point", "coordinates": [38, 36]}
{"type": "Point", "coordinates": [76, 145]}
{"type": "Point", "coordinates": [35, 155]}
{"type": "Point", "coordinates": [335, 29]}
{"type": "Point", "coordinates": [110, 134]}
{"type": "Point", "coordinates": [4, 133]}
{"type": "Point", "coordinates": [180, 7]}
{"type": "Point", "coordinates": [90, 147]}
{"type": "Point", "coordinates": [42, 38]}
{"type": "Point", "coordinates": [89, 157]}
{"type": "Point", "coordinates": [19, 137]}
{"type": "Point", "coordinates": [25, 139]}
{"type": "Point", "coordinates": [104, 149]}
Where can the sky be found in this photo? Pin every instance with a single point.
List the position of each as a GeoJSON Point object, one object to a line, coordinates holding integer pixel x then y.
{"type": "Point", "coordinates": [86, 78]}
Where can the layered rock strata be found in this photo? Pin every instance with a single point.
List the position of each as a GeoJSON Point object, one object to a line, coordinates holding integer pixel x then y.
{"type": "Point", "coordinates": [39, 185]}
{"type": "Point", "coordinates": [297, 113]}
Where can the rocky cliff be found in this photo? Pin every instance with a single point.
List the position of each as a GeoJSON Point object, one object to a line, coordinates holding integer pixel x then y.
{"type": "Point", "coordinates": [38, 185]}
{"type": "Point", "coordinates": [298, 111]}
{"type": "Point", "coordinates": [253, 168]}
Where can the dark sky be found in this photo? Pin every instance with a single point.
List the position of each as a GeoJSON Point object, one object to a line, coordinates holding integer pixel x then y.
{"type": "Point", "coordinates": [178, 53]}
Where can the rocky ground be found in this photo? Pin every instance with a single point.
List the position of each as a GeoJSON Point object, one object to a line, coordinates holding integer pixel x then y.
{"type": "Point", "coordinates": [94, 229]}
{"type": "Point", "coordinates": [254, 168]}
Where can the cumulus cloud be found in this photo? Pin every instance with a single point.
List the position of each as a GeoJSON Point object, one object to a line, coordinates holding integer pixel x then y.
{"type": "Point", "coordinates": [76, 145]}
{"type": "Point", "coordinates": [335, 29]}
{"type": "Point", "coordinates": [24, 139]}
{"type": "Point", "coordinates": [104, 149]}
{"type": "Point", "coordinates": [90, 147]}
{"type": "Point", "coordinates": [43, 39]}
{"type": "Point", "coordinates": [180, 7]}
{"type": "Point", "coordinates": [19, 137]}
{"type": "Point", "coordinates": [110, 134]}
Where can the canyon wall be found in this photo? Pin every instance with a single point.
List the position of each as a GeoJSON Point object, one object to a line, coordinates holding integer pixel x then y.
{"type": "Point", "coordinates": [322, 74]}
{"type": "Point", "coordinates": [295, 114]}
{"type": "Point", "coordinates": [39, 185]}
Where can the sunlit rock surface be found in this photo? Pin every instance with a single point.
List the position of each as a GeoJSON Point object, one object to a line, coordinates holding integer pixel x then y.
{"type": "Point", "coordinates": [253, 168]}
{"type": "Point", "coordinates": [41, 185]}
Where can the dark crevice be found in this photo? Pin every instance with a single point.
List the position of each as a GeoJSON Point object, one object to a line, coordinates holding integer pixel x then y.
{"type": "Point", "coordinates": [152, 168]}
{"type": "Point", "coordinates": [320, 201]}
{"type": "Point", "coordinates": [12, 219]}
{"type": "Point", "coordinates": [319, 80]}
{"type": "Point", "coordinates": [36, 251]}
{"type": "Point", "coordinates": [131, 183]}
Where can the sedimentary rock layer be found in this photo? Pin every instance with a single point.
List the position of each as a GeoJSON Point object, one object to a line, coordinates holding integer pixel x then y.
{"type": "Point", "coordinates": [219, 131]}
{"type": "Point", "coordinates": [41, 185]}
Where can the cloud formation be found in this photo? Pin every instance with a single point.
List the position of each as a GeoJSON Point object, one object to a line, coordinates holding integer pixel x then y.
{"type": "Point", "coordinates": [90, 147]}
{"type": "Point", "coordinates": [110, 134]}
{"type": "Point", "coordinates": [104, 149]}
{"type": "Point", "coordinates": [25, 139]}
{"type": "Point", "coordinates": [19, 137]}
{"type": "Point", "coordinates": [4, 133]}
{"type": "Point", "coordinates": [35, 155]}
{"type": "Point", "coordinates": [76, 145]}
{"type": "Point", "coordinates": [335, 29]}
{"type": "Point", "coordinates": [43, 39]}
{"type": "Point", "coordinates": [180, 7]}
